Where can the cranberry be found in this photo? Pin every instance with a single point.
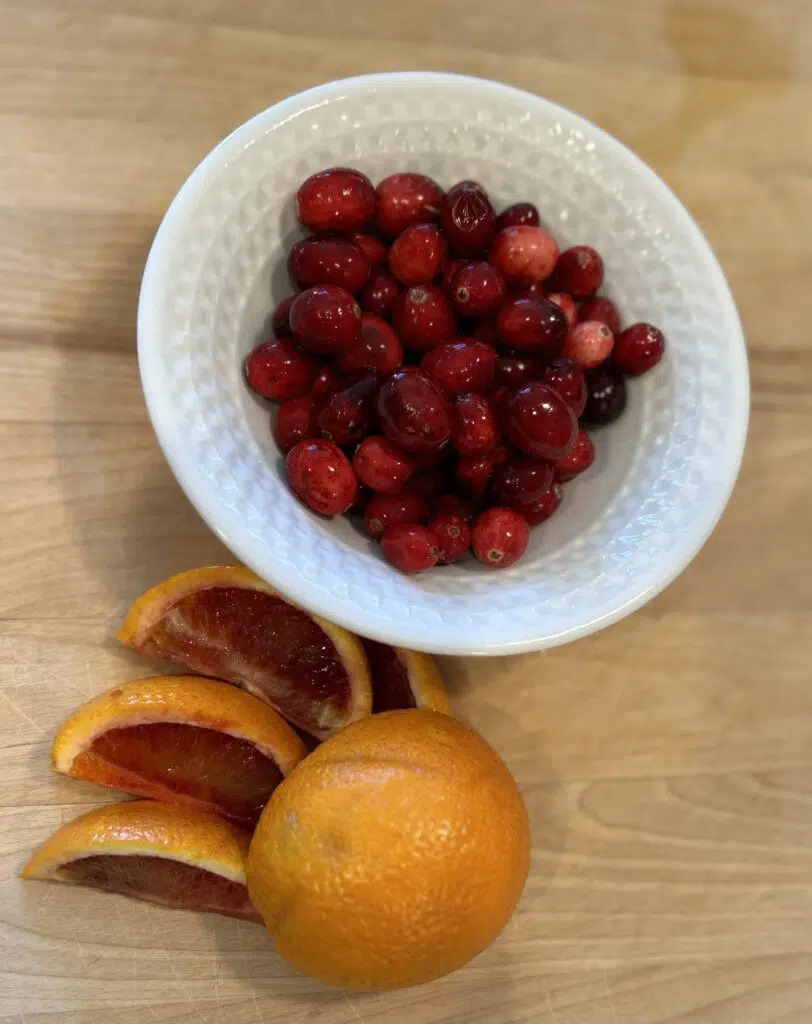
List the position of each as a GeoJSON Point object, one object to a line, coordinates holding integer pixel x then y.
{"type": "Point", "coordinates": [414, 412]}
{"type": "Point", "coordinates": [325, 319]}
{"type": "Point", "coordinates": [478, 289]}
{"type": "Point", "coordinates": [517, 215]}
{"type": "Point", "coordinates": [579, 272]}
{"type": "Point", "coordinates": [606, 395]}
{"type": "Point", "coordinates": [450, 273]}
{"type": "Point", "coordinates": [374, 250]}
{"type": "Point", "coordinates": [328, 259]}
{"type": "Point", "coordinates": [380, 293]}
{"type": "Point", "coordinates": [362, 499]}
{"type": "Point", "coordinates": [430, 483]}
{"type": "Point", "coordinates": [279, 369]}
{"type": "Point", "coordinates": [539, 421]}
{"type": "Point", "coordinates": [321, 475]}
{"type": "Point", "coordinates": [280, 321]}
{"type": "Point", "coordinates": [295, 421]}
{"type": "Point", "coordinates": [410, 548]}
{"type": "Point", "coordinates": [577, 460]}
{"type": "Point", "coordinates": [339, 199]}
{"type": "Point", "coordinates": [418, 255]}
{"type": "Point", "coordinates": [542, 508]}
{"type": "Point", "coordinates": [453, 505]}
{"type": "Point", "coordinates": [461, 365]}
{"type": "Point", "coordinates": [589, 344]}
{"type": "Point", "coordinates": [453, 537]}
{"type": "Point", "coordinates": [350, 413]}
{"type": "Point", "coordinates": [533, 324]}
{"type": "Point", "coordinates": [563, 376]}
{"type": "Point", "coordinates": [385, 510]}
{"type": "Point", "coordinates": [406, 199]}
{"type": "Point", "coordinates": [381, 466]}
{"type": "Point", "coordinates": [524, 255]}
{"type": "Point", "coordinates": [378, 348]}
{"type": "Point", "coordinates": [520, 480]}
{"type": "Point", "coordinates": [500, 537]}
{"type": "Point", "coordinates": [486, 331]}
{"type": "Point", "coordinates": [602, 310]}
{"type": "Point", "coordinates": [638, 349]}
{"type": "Point", "coordinates": [567, 304]}
{"type": "Point", "coordinates": [516, 368]}
{"type": "Point", "coordinates": [468, 219]}
{"type": "Point", "coordinates": [474, 472]}
{"type": "Point", "coordinates": [326, 384]}
{"type": "Point", "coordinates": [424, 317]}
{"type": "Point", "coordinates": [475, 429]}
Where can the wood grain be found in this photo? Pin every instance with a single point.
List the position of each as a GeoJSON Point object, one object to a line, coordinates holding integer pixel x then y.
{"type": "Point", "coordinates": [667, 762]}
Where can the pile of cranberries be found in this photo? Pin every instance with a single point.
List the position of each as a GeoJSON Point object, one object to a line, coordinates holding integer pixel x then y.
{"type": "Point", "coordinates": [438, 364]}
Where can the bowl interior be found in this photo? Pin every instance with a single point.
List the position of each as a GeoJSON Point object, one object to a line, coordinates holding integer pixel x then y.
{"type": "Point", "coordinates": [662, 472]}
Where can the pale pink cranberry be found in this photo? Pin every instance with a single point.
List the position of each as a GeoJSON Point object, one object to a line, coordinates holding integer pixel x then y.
{"type": "Point", "coordinates": [500, 537]}
{"type": "Point", "coordinates": [385, 510]}
{"type": "Point", "coordinates": [410, 547]}
{"type": "Point", "coordinates": [381, 466]}
{"type": "Point", "coordinates": [453, 537]}
{"type": "Point", "coordinates": [567, 304]}
{"type": "Point", "coordinates": [338, 199]}
{"type": "Point", "coordinates": [418, 254]}
{"type": "Point", "coordinates": [589, 344]}
{"type": "Point", "coordinates": [638, 349]}
{"type": "Point", "coordinates": [603, 310]}
{"type": "Point", "coordinates": [279, 369]}
{"type": "Point", "coordinates": [405, 199]}
{"type": "Point", "coordinates": [577, 460]}
{"type": "Point", "coordinates": [579, 272]}
{"type": "Point", "coordinates": [320, 474]}
{"type": "Point", "coordinates": [524, 255]}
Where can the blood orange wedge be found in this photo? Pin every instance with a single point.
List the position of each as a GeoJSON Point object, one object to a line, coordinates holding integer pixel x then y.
{"type": "Point", "coordinates": [183, 739]}
{"type": "Point", "coordinates": [404, 679]}
{"type": "Point", "coordinates": [177, 856]}
{"type": "Point", "coordinates": [224, 621]}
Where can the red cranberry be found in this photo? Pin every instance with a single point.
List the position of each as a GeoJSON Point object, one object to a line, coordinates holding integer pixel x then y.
{"type": "Point", "coordinates": [500, 537]}
{"type": "Point", "coordinates": [454, 505]}
{"type": "Point", "coordinates": [468, 219]}
{"type": "Point", "coordinates": [321, 475]}
{"type": "Point", "coordinates": [339, 199]}
{"type": "Point", "coordinates": [516, 368]}
{"type": "Point", "coordinates": [567, 304]}
{"type": "Point", "coordinates": [326, 384]}
{"type": "Point", "coordinates": [589, 344]}
{"type": "Point", "coordinates": [280, 321]}
{"type": "Point", "coordinates": [532, 324]}
{"type": "Point", "coordinates": [577, 460]}
{"type": "Point", "coordinates": [350, 413]}
{"type": "Point", "coordinates": [475, 429]}
{"type": "Point", "coordinates": [385, 510]}
{"type": "Point", "coordinates": [517, 215]}
{"type": "Point", "coordinates": [413, 410]}
{"type": "Point", "coordinates": [362, 498]}
{"type": "Point", "coordinates": [380, 293]}
{"type": "Point", "coordinates": [328, 259]}
{"type": "Point", "coordinates": [418, 255]}
{"type": "Point", "coordinates": [638, 349]}
{"type": "Point", "coordinates": [540, 510]}
{"type": "Point", "coordinates": [474, 472]}
{"type": "Point", "coordinates": [602, 310]}
{"type": "Point", "coordinates": [378, 348]}
{"type": "Point", "coordinates": [410, 548]}
{"type": "Point", "coordinates": [326, 319]}
{"type": "Point", "coordinates": [374, 250]}
{"type": "Point", "coordinates": [486, 331]}
{"type": "Point", "coordinates": [453, 537]}
{"type": "Point", "coordinates": [606, 395]}
{"type": "Point", "coordinates": [539, 421]}
{"type": "Point", "coordinates": [424, 317]}
{"type": "Point", "coordinates": [279, 369]}
{"type": "Point", "coordinates": [524, 255]}
{"type": "Point", "coordinates": [450, 273]}
{"type": "Point", "coordinates": [461, 365]}
{"type": "Point", "coordinates": [520, 480]}
{"type": "Point", "coordinates": [295, 421]}
{"type": "Point", "coordinates": [430, 483]}
{"type": "Point", "coordinates": [563, 376]}
{"type": "Point", "coordinates": [579, 272]}
{"type": "Point", "coordinates": [478, 289]}
{"type": "Point", "coordinates": [406, 199]}
{"type": "Point", "coordinates": [381, 466]}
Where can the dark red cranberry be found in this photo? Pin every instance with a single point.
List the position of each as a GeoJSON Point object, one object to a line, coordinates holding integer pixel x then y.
{"type": "Point", "coordinates": [418, 254]}
{"type": "Point", "coordinates": [410, 548]}
{"type": "Point", "coordinates": [638, 349]}
{"type": "Point", "coordinates": [413, 411]}
{"type": "Point", "coordinates": [474, 472]}
{"type": "Point", "coordinates": [579, 272]}
{"type": "Point", "coordinates": [406, 199]}
{"type": "Point", "coordinates": [326, 384]}
{"type": "Point", "coordinates": [328, 259]}
{"type": "Point", "coordinates": [500, 537]}
{"type": "Point", "coordinates": [321, 475]}
{"type": "Point", "coordinates": [563, 376]}
{"type": "Point", "coordinates": [518, 215]}
{"type": "Point", "coordinates": [430, 483]}
{"type": "Point", "coordinates": [450, 273]}
{"type": "Point", "coordinates": [378, 348]}
{"type": "Point", "coordinates": [424, 317]}
{"type": "Point", "coordinates": [385, 510]}
{"type": "Point", "coordinates": [515, 368]}
{"type": "Point", "coordinates": [279, 369]}
{"type": "Point", "coordinates": [461, 365]}
{"type": "Point", "coordinates": [325, 319]}
{"type": "Point", "coordinates": [380, 293]}
{"type": "Point", "coordinates": [606, 395]}
{"type": "Point", "coordinates": [339, 199]}
{"type": "Point", "coordinates": [350, 413]}
{"type": "Point", "coordinates": [453, 537]}
{"type": "Point", "coordinates": [589, 344]}
{"type": "Point", "coordinates": [381, 466]}
{"type": "Point", "coordinates": [478, 289]}
{"type": "Point", "coordinates": [468, 219]}
{"type": "Point", "coordinates": [539, 421]}
{"type": "Point", "coordinates": [577, 460]}
{"type": "Point", "coordinates": [475, 429]}
{"type": "Point", "coordinates": [540, 510]}
{"type": "Point", "coordinates": [280, 321]}
{"type": "Point", "coordinates": [524, 255]}
{"type": "Point", "coordinates": [295, 421]}
{"type": "Point", "coordinates": [567, 304]}
{"type": "Point", "coordinates": [454, 505]}
{"type": "Point", "coordinates": [533, 324]}
{"type": "Point", "coordinates": [520, 480]}
{"type": "Point", "coordinates": [375, 251]}
{"type": "Point", "coordinates": [603, 310]}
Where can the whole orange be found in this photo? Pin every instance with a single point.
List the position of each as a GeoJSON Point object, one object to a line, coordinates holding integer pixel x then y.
{"type": "Point", "coordinates": [391, 855]}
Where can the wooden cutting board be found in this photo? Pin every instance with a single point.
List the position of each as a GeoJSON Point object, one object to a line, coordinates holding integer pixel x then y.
{"type": "Point", "coordinates": [667, 762]}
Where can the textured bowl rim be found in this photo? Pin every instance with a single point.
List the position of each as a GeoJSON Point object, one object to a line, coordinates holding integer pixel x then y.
{"type": "Point", "coordinates": [226, 524]}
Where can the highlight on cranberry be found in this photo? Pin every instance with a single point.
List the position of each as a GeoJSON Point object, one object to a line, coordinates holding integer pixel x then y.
{"type": "Point", "coordinates": [439, 363]}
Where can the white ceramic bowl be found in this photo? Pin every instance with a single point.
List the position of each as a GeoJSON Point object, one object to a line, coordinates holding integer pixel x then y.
{"type": "Point", "coordinates": [663, 472]}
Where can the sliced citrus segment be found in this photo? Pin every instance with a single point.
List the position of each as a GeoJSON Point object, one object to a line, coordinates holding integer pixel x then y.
{"type": "Point", "coordinates": [182, 739]}
{"type": "Point", "coordinates": [224, 621]}
{"type": "Point", "coordinates": [176, 856]}
{"type": "Point", "coordinates": [404, 679]}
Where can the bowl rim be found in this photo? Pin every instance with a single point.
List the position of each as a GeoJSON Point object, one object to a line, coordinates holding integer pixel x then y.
{"type": "Point", "coordinates": [228, 528]}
